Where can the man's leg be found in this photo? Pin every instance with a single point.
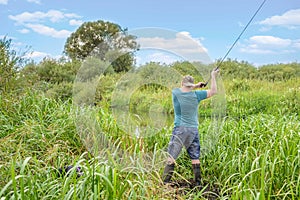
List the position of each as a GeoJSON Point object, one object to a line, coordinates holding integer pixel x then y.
{"type": "Point", "coordinates": [197, 171]}
{"type": "Point", "coordinates": [194, 153]}
{"type": "Point", "coordinates": [169, 169]}
{"type": "Point", "coordinates": [174, 150]}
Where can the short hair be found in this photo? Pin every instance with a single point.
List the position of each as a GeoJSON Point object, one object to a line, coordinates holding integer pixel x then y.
{"type": "Point", "coordinates": [188, 81]}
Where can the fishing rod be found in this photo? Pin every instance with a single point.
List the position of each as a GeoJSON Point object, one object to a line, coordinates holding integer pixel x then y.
{"type": "Point", "coordinates": [261, 5]}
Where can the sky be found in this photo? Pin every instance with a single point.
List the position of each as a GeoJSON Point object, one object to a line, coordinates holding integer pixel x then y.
{"type": "Point", "coordinates": [168, 30]}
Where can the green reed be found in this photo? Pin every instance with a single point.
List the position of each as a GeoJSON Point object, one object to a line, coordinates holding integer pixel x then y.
{"type": "Point", "coordinates": [256, 156]}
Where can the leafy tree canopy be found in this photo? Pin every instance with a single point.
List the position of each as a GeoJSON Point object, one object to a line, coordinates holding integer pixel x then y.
{"type": "Point", "coordinates": [10, 62]}
{"type": "Point", "coordinates": [103, 40]}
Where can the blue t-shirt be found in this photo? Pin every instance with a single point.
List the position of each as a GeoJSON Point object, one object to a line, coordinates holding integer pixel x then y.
{"type": "Point", "coordinates": [186, 106]}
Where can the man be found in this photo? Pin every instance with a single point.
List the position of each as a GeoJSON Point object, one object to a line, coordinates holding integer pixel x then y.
{"type": "Point", "coordinates": [185, 131]}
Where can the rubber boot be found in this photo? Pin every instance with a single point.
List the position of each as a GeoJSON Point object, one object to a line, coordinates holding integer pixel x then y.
{"type": "Point", "coordinates": [197, 174]}
{"type": "Point", "coordinates": [168, 172]}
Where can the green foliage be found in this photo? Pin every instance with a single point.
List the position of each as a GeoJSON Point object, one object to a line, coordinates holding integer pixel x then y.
{"type": "Point", "coordinates": [62, 91]}
{"type": "Point", "coordinates": [54, 77]}
{"type": "Point", "coordinates": [250, 97]}
{"type": "Point", "coordinates": [279, 72]}
{"type": "Point", "coordinates": [29, 75]}
{"type": "Point", "coordinates": [156, 73]}
{"type": "Point", "coordinates": [185, 68]}
{"type": "Point", "coordinates": [42, 129]}
{"type": "Point", "coordinates": [258, 146]}
{"type": "Point", "coordinates": [93, 67]}
{"type": "Point", "coordinates": [44, 137]}
{"type": "Point", "coordinates": [54, 72]}
{"type": "Point", "coordinates": [102, 39]}
{"type": "Point", "coordinates": [196, 69]}
{"type": "Point", "coordinates": [259, 153]}
{"type": "Point", "coordinates": [147, 96]}
{"type": "Point", "coordinates": [120, 61]}
{"type": "Point", "coordinates": [290, 101]}
{"type": "Point", "coordinates": [10, 62]}
{"type": "Point", "coordinates": [105, 87]}
{"type": "Point", "coordinates": [238, 85]}
{"type": "Point", "coordinates": [41, 135]}
{"type": "Point", "coordinates": [233, 69]}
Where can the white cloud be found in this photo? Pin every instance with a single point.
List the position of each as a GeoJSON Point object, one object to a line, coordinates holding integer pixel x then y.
{"type": "Point", "coordinates": [265, 29]}
{"type": "Point", "coordinates": [182, 45]}
{"type": "Point", "coordinates": [296, 44]}
{"type": "Point", "coordinates": [161, 57]}
{"type": "Point", "coordinates": [52, 15]}
{"type": "Point", "coordinates": [156, 56]}
{"type": "Point", "coordinates": [289, 19]}
{"type": "Point", "coordinates": [4, 2]}
{"type": "Point", "coordinates": [34, 20]}
{"type": "Point", "coordinates": [270, 41]}
{"type": "Point", "coordinates": [252, 50]}
{"type": "Point", "coordinates": [34, 1]}
{"type": "Point", "coordinates": [74, 22]}
{"type": "Point", "coordinates": [36, 55]}
{"type": "Point", "coordinates": [269, 45]}
{"type": "Point", "coordinates": [24, 30]}
{"type": "Point", "coordinates": [48, 31]}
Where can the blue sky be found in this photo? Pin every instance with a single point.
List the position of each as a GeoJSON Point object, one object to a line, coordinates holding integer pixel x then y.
{"type": "Point", "coordinates": [272, 37]}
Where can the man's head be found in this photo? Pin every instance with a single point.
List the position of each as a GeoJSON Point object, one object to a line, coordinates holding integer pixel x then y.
{"type": "Point", "coordinates": [188, 81]}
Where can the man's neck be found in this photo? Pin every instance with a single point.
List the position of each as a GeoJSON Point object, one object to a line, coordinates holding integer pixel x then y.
{"type": "Point", "coordinates": [185, 89]}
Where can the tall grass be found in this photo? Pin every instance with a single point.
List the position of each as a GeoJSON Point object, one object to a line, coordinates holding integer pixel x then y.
{"type": "Point", "coordinates": [257, 155]}
{"type": "Point", "coordinates": [43, 137]}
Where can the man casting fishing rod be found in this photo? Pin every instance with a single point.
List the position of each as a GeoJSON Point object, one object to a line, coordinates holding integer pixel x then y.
{"type": "Point", "coordinates": [185, 132]}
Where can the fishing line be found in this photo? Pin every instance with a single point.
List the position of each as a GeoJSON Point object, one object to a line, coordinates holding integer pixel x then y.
{"type": "Point", "coordinates": [261, 5]}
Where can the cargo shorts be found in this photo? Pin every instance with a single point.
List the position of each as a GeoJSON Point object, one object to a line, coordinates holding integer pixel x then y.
{"type": "Point", "coordinates": [187, 137]}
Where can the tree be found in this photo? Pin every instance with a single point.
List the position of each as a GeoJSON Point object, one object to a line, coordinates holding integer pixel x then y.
{"type": "Point", "coordinates": [10, 62]}
{"type": "Point", "coordinates": [56, 72]}
{"type": "Point", "coordinates": [99, 39]}
{"type": "Point", "coordinates": [232, 69]}
{"type": "Point", "coordinates": [93, 68]}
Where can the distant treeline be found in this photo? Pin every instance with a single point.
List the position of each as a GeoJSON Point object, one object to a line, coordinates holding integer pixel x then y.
{"type": "Point", "coordinates": [56, 76]}
{"type": "Point", "coordinates": [271, 72]}
{"type": "Point", "coordinates": [58, 71]}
